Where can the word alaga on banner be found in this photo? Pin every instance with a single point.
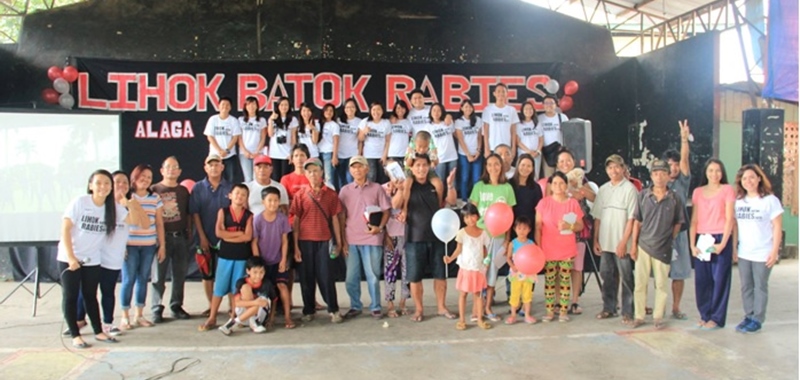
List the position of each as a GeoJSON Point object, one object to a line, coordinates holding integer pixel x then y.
{"type": "Point", "coordinates": [201, 92]}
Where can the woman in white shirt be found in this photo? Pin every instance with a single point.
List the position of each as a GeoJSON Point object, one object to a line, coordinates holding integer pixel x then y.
{"type": "Point", "coordinates": [401, 131]}
{"type": "Point", "coordinates": [348, 143]}
{"type": "Point", "coordinates": [307, 131]}
{"type": "Point", "coordinates": [253, 138]}
{"type": "Point", "coordinates": [443, 140]}
{"type": "Point", "coordinates": [530, 138]}
{"type": "Point", "coordinates": [470, 161]}
{"type": "Point", "coordinates": [374, 134]}
{"type": "Point", "coordinates": [329, 142]}
{"type": "Point", "coordinates": [281, 138]}
{"type": "Point", "coordinates": [758, 223]}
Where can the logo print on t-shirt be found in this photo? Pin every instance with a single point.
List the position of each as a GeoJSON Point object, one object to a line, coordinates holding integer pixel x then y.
{"type": "Point", "coordinates": [171, 212]}
{"type": "Point", "coordinates": [500, 118]}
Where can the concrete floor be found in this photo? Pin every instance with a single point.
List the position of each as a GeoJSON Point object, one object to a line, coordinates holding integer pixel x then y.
{"type": "Point", "coordinates": [584, 348]}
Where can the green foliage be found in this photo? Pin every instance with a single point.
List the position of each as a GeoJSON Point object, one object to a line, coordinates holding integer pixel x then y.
{"type": "Point", "coordinates": [13, 11]}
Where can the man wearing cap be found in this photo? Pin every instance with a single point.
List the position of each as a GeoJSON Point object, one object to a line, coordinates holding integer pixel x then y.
{"type": "Point", "coordinates": [362, 241]}
{"type": "Point", "coordinates": [613, 212]}
{"type": "Point", "coordinates": [208, 196]}
{"type": "Point", "coordinates": [659, 215]}
{"type": "Point", "coordinates": [316, 208]}
{"type": "Point", "coordinates": [262, 169]}
{"type": "Point", "coordinates": [177, 228]}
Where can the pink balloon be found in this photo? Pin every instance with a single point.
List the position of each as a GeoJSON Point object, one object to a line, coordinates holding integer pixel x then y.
{"type": "Point", "coordinates": [566, 103]}
{"type": "Point", "coordinates": [529, 260]}
{"type": "Point", "coordinates": [498, 218]}
{"type": "Point", "coordinates": [188, 184]}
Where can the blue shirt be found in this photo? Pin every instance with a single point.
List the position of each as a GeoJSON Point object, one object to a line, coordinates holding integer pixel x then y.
{"type": "Point", "coordinates": [206, 202]}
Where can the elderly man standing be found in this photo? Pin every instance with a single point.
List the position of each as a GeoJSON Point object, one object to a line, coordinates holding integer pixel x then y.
{"type": "Point", "coordinates": [613, 211]}
{"type": "Point", "coordinates": [177, 232]}
{"type": "Point", "coordinates": [316, 208]}
{"type": "Point", "coordinates": [362, 241]}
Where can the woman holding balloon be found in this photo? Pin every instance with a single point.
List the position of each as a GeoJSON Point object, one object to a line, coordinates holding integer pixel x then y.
{"type": "Point", "coordinates": [558, 218]}
{"type": "Point", "coordinates": [494, 198]}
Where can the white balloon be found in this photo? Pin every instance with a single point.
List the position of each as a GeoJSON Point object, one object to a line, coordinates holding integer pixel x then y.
{"type": "Point", "coordinates": [445, 224]}
{"type": "Point", "coordinates": [66, 101]}
{"type": "Point", "coordinates": [552, 86]}
{"type": "Point", "coordinates": [61, 85]}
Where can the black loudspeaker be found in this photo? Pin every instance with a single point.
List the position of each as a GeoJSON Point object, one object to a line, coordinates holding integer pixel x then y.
{"type": "Point", "coordinates": [578, 139]}
{"type": "Point", "coordinates": [762, 143]}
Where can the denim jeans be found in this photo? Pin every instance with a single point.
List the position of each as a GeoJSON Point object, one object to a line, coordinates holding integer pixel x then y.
{"type": "Point", "coordinates": [327, 167]}
{"type": "Point", "coordinates": [443, 170]}
{"type": "Point", "coordinates": [136, 270]}
{"type": "Point", "coordinates": [178, 256]}
{"type": "Point", "coordinates": [376, 173]}
{"type": "Point", "coordinates": [468, 174]}
{"type": "Point", "coordinates": [342, 171]}
{"type": "Point", "coordinates": [247, 167]}
{"type": "Point", "coordinates": [614, 270]}
{"type": "Point", "coordinates": [368, 257]}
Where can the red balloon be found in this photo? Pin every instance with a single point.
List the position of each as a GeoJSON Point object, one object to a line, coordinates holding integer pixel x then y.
{"type": "Point", "coordinates": [571, 87]}
{"type": "Point", "coordinates": [50, 96]}
{"type": "Point", "coordinates": [529, 259]}
{"type": "Point", "coordinates": [70, 73]}
{"type": "Point", "coordinates": [188, 184]}
{"type": "Point", "coordinates": [498, 218]}
{"type": "Point", "coordinates": [566, 103]}
{"type": "Point", "coordinates": [54, 72]}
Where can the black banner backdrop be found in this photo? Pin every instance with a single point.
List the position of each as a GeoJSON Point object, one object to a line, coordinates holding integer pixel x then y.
{"type": "Point", "coordinates": [165, 105]}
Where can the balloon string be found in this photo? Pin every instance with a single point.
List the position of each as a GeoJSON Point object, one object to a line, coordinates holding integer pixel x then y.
{"type": "Point", "coordinates": [446, 266]}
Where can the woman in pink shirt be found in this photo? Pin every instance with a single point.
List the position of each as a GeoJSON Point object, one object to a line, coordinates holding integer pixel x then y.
{"type": "Point", "coordinates": [712, 214]}
{"type": "Point", "coordinates": [557, 238]}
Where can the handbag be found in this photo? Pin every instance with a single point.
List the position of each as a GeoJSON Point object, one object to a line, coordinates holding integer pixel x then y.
{"type": "Point", "coordinates": [550, 152]}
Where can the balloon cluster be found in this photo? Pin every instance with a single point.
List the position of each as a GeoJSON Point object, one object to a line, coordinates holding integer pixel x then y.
{"type": "Point", "coordinates": [570, 89]}
{"type": "Point", "coordinates": [61, 78]}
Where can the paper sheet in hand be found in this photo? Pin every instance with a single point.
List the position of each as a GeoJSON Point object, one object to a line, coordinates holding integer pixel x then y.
{"type": "Point", "coordinates": [395, 172]}
{"type": "Point", "coordinates": [570, 218]}
{"type": "Point", "coordinates": [705, 243]}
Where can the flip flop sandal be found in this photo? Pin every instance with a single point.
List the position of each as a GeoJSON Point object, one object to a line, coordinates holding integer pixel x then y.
{"type": "Point", "coordinates": [626, 320]}
{"type": "Point", "coordinates": [605, 315]}
{"type": "Point", "coordinates": [658, 324]}
{"type": "Point", "coordinates": [416, 318]}
{"type": "Point", "coordinates": [206, 327]}
{"type": "Point", "coordinates": [563, 318]}
{"type": "Point", "coordinates": [575, 309]}
{"type": "Point", "coordinates": [512, 319]}
{"type": "Point", "coordinates": [108, 339]}
{"type": "Point", "coordinates": [461, 326]}
{"type": "Point", "coordinates": [636, 323]}
{"type": "Point", "coordinates": [549, 317]}
{"type": "Point", "coordinates": [679, 315]}
{"type": "Point", "coordinates": [391, 313]}
{"type": "Point", "coordinates": [530, 320]}
{"type": "Point", "coordinates": [492, 317]}
{"type": "Point", "coordinates": [289, 325]}
{"type": "Point", "coordinates": [448, 315]}
{"type": "Point", "coordinates": [484, 325]}
{"type": "Point", "coordinates": [206, 313]}
{"type": "Point", "coordinates": [81, 345]}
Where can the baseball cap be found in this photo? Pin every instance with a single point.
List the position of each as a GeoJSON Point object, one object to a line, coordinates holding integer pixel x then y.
{"type": "Point", "coordinates": [262, 159]}
{"type": "Point", "coordinates": [616, 159]}
{"type": "Point", "coordinates": [358, 160]}
{"type": "Point", "coordinates": [659, 165]}
{"type": "Point", "coordinates": [213, 157]}
{"type": "Point", "coordinates": [312, 161]}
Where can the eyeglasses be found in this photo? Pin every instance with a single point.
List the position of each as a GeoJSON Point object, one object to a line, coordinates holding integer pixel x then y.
{"type": "Point", "coordinates": [168, 167]}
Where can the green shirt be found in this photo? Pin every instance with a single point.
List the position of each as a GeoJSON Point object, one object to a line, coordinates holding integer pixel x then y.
{"type": "Point", "coordinates": [484, 195]}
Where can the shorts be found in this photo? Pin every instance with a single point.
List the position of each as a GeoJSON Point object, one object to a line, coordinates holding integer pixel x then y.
{"type": "Point", "coordinates": [261, 316]}
{"type": "Point", "coordinates": [520, 289]}
{"type": "Point", "coordinates": [577, 264]}
{"type": "Point", "coordinates": [227, 274]}
{"type": "Point", "coordinates": [681, 268]}
{"type": "Point", "coordinates": [422, 256]}
{"type": "Point", "coordinates": [275, 276]}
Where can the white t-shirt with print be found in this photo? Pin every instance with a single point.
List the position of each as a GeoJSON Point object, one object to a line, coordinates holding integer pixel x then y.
{"type": "Point", "coordinates": [500, 121]}
{"type": "Point", "coordinates": [329, 129]}
{"type": "Point", "coordinates": [307, 139]}
{"type": "Point", "coordinates": [754, 219]}
{"type": "Point", "coordinates": [251, 132]}
{"type": "Point", "coordinates": [528, 135]}
{"type": "Point", "coordinates": [223, 131]}
{"type": "Point", "coordinates": [348, 138]}
{"type": "Point", "coordinates": [551, 128]}
{"type": "Point", "coordinates": [376, 138]}
{"type": "Point", "coordinates": [398, 143]}
{"type": "Point", "coordinates": [282, 151]}
{"type": "Point", "coordinates": [112, 256]}
{"type": "Point", "coordinates": [419, 119]}
{"type": "Point", "coordinates": [471, 133]}
{"type": "Point", "coordinates": [471, 257]}
{"type": "Point", "coordinates": [443, 140]}
{"type": "Point", "coordinates": [88, 230]}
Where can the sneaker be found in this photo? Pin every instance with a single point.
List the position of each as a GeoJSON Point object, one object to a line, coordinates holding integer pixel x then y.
{"type": "Point", "coordinates": [111, 330]}
{"type": "Point", "coordinates": [259, 329]}
{"type": "Point", "coordinates": [179, 313]}
{"type": "Point", "coordinates": [228, 327]}
{"type": "Point", "coordinates": [307, 318]}
{"type": "Point", "coordinates": [336, 318]}
{"type": "Point", "coordinates": [753, 327]}
{"type": "Point", "coordinates": [741, 325]}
